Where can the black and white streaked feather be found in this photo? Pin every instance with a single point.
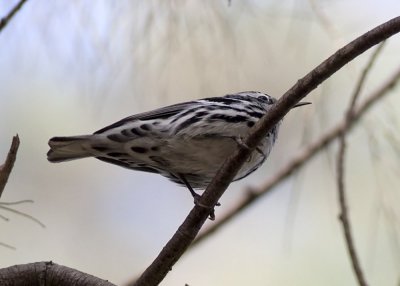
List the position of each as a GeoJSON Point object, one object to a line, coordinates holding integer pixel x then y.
{"type": "Point", "coordinates": [185, 142]}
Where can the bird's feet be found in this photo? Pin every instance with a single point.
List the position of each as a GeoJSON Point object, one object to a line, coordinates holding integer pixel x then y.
{"type": "Point", "coordinates": [239, 141]}
{"type": "Point", "coordinates": [197, 197]}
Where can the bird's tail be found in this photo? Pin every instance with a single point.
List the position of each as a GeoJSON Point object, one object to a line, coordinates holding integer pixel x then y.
{"type": "Point", "coordinates": [68, 148]}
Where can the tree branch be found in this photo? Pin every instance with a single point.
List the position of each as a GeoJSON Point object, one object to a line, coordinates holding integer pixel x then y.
{"type": "Point", "coordinates": [186, 233]}
{"type": "Point", "coordinates": [4, 21]}
{"type": "Point", "coordinates": [6, 168]}
{"type": "Point", "coordinates": [49, 274]}
{"type": "Point", "coordinates": [302, 158]}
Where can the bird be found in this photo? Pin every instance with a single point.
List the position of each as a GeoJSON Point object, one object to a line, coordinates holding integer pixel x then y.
{"type": "Point", "coordinates": [186, 142]}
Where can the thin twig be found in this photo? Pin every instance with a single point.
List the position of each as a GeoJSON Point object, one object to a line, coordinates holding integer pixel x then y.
{"type": "Point", "coordinates": [7, 246]}
{"type": "Point", "coordinates": [6, 168]}
{"type": "Point", "coordinates": [186, 233]}
{"type": "Point", "coordinates": [343, 216]}
{"type": "Point", "coordinates": [4, 21]}
{"type": "Point", "coordinates": [16, 203]}
{"type": "Point", "coordinates": [325, 22]}
{"type": "Point", "coordinates": [362, 79]}
{"type": "Point", "coordinates": [12, 204]}
{"type": "Point", "coordinates": [302, 158]}
{"type": "Point", "coordinates": [24, 215]}
{"type": "Point", "coordinates": [4, 218]}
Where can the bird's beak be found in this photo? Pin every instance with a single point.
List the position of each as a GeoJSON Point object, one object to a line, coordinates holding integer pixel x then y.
{"type": "Point", "coordinates": [301, 104]}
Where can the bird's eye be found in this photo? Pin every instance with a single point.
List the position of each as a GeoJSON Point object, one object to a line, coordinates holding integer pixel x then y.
{"type": "Point", "coordinates": [264, 98]}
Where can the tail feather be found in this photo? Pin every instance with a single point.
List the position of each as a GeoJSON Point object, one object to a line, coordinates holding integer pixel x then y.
{"type": "Point", "coordinates": [68, 148]}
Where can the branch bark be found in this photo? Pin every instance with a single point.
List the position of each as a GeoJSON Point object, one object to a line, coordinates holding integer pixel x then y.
{"type": "Point", "coordinates": [186, 233]}
{"type": "Point", "coordinates": [49, 274]}
{"type": "Point", "coordinates": [6, 168]}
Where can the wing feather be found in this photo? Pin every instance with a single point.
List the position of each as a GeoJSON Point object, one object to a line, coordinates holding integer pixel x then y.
{"type": "Point", "coordinates": [160, 113]}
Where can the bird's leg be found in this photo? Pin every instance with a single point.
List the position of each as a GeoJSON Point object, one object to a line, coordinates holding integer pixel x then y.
{"type": "Point", "coordinates": [196, 196]}
{"type": "Point", "coordinates": [261, 152]}
{"type": "Point", "coordinates": [240, 142]}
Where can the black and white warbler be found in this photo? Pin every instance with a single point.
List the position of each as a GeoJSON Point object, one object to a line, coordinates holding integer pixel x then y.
{"type": "Point", "coordinates": [185, 142]}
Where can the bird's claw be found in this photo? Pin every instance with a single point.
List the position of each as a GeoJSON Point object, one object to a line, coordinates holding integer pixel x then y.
{"type": "Point", "coordinates": [241, 143]}
{"type": "Point", "coordinates": [197, 197]}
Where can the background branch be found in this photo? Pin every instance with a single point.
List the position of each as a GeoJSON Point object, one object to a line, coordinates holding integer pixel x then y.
{"type": "Point", "coordinates": [186, 233]}
{"type": "Point", "coordinates": [343, 216]}
{"type": "Point", "coordinates": [5, 171]}
{"type": "Point", "coordinates": [7, 246]}
{"type": "Point", "coordinates": [4, 21]}
{"type": "Point", "coordinates": [2, 206]}
{"type": "Point", "coordinates": [6, 168]}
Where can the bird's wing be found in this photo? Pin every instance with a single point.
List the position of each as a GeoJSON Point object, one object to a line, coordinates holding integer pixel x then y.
{"type": "Point", "coordinates": [160, 113]}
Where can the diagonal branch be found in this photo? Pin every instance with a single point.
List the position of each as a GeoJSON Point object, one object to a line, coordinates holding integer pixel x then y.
{"type": "Point", "coordinates": [186, 233]}
{"type": "Point", "coordinates": [344, 217]}
{"type": "Point", "coordinates": [6, 168]}
{"type": "Point", "coordinates": [4, 21]}
{"type": "Point", "coordinates": [302, 158]}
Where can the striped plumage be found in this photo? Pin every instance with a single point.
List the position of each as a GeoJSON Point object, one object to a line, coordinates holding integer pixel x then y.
{"type": "Point", "coordinates": [185, 142]}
